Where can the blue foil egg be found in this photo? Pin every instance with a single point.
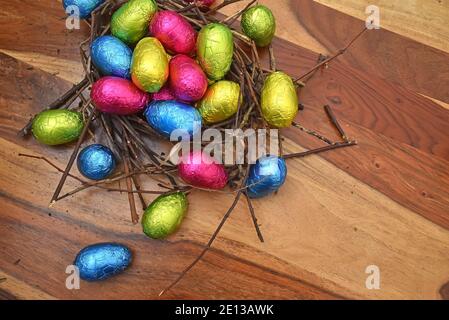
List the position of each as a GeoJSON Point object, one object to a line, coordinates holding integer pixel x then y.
{"type": "Point", "coordinates": [85, 7]}
{"type": "Point", "coordinates": [96, 162]}
{"type": "Point", "coordinates": [169, 115]}
{"type": "Point", "coordinates": [266, 176]}
{"type": "Point", "coordinates": [102, 260]}
{"type": "Point", "coordinates": [111, 56]}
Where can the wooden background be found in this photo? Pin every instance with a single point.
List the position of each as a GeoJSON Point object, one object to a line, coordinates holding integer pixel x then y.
{"type": "Point", "coordinates": [384, 202]}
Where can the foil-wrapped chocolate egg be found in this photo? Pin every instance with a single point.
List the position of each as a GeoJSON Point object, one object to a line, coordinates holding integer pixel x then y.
{"type": "Point", "coordinates": [55, 127]}
{"type": "Point", "coordinates": [279, 100]}
{"type": "Point", "coordinates": [266, 176]}
{"type": "Point", "coordinates": [130, 22]}
{"type": "Point", "coordinates": [220, 102]}
{"type": "Point", "coordinates": [111, 56]}
{"type": "Point", "coordinates": [201, 170]}
{"type": "Point", "coordinates": [204, 3]}
{"type": "Point", "coordinates": [174, 32]}
{"type": "Point", "coordinates": [187, 80]}
{"type": "Point", "coordinates": [118, 96]}
{"type": "Point", "coordinates": [164, 94]}
{"type": "Point", "coordinates": [164, 215]}
{"type": "Point", "coordinates": [96, 162]}
{"type": "Point", "coordinates": [84, 7]}
{"type": "Point", "coordinates": [102, 260]}
{"type": "Point", "coordinates": [215, 49]}
{"type": "Point", "coordinates": [167, 116]}
{"type": "Point", "coordinates": [258, 23]}
{"type": "Point", "coordinates": [149, 67]}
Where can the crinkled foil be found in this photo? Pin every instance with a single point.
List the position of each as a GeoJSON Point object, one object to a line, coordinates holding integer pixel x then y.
{"type": "Point", "coordinates": [85, 7]}
{"type": "Point", "coordinates": [102, 260]}
{"type": "Point", "coordinates": [187, 80]}
{"type": "Point", "coordinates": [131, 21]}
{"type": "Point", "coordinates": [164, 215]}
{"type": "Point", "coordinates": [279, 100]}
{"type": "Point", "coordinates": [96, 162]}
{"type": "Point", "coordinates": [215, 49]}
{"type": "Point", "coordinates": [112, 57]}
{"type": "Point", "coordinates": [149, 68]}
{"type": "Point", "coordinates": [118, 96]}
{"type": "Point", "coordinates": [266, 176]}
{"type": "Point", "coordinates": [259, 24]}
{"type": "Point", "coordinates": [220, 101]}
{"type": "Point", "coordinates": [54, 127]}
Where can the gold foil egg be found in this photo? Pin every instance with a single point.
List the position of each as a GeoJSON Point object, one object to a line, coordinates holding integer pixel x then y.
{"type": "Point", "coordinates": [54, 127]}
{"type": "Point", "coordinates": [220, 101]}
{"type": "Point", "coordinates": [215, 49]}
{"type": "Point", "coordinates": [149, 67]}
{"type": "Point", "coordinates": [164, 215]}
{"type": "Point", "coordinates": [279, 101]}
{"type": "Point", "coordinates": [259, 24]}
{"type": "Point", "coordinates": [131, 21]}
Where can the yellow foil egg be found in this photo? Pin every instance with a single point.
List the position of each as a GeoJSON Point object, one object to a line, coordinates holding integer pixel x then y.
{"type": "Point", "coordinates": [220, 101]}
{"type": "Point", "coordinates": [131, 21]}
{"type": "Point", "coordinates": [215, 49]}
{"type": "Point", "coordinates": [149, 67]}
{"type": "Point", "coordinates": [164, 215]}
{"type": "Point", "coordinates": [279, 101]}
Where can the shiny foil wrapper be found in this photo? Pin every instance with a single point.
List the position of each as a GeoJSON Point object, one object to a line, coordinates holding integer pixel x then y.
{"type": "Point", "coordinates": [266, 176]}
{"type": "Point", "coordinates": [174, 32]}
{"type": "Point", "coordinates": [215, 49]}
{"type": "Point", "coordinates": [118, 96]}
{"type": "Point", "coordinates": [164, 94]}
{"type": "Point", "coordinates": [259, 24]}
{"type": "Point", "coordinates": [187, 80]}
{"type": "Point", "coordinates": [220, 102]}
{"type": "Point", "coordinates": [164, 215]}
{"type": "Point", "coordinates": [102, 260]}
{"type": "Point", "coordinates": [131, 21]}
{"type": "Point", "coordinates": [200, 170]}
{"type": "Point", "coordinates": [279, 100]}
{"type": "Point", "coordinates": [112, 57]}
{"type": "Point", "coordinates": [85, 7]}
{"type": "Point", "coordinates": [96, 162]}
{"type": "Point", "coordinates": [55, 127]}
{"type": "Point", "coordinates": [149, 68]}
{"type": "Point", "coordinates": [168, 116]}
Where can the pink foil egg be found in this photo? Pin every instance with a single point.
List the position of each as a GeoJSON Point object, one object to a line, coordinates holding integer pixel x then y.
{"type": "Point", "coordinates": [173, 31]}
{"type": "Point", "coordinates": [206, 3]}
{"type": "Point", "coordinates": [188, 81]}
{"type": "Point", "coordinates": [164, 94]}
{"type": "Point", "coordinates": [199, 170]}
{"type": "Point", "coordinates": [118, 96]}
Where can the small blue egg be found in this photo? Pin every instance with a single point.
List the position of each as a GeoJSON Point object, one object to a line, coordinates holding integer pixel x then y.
{"type": "Point", "coordinates": [266, 176]}
{"type": "Point", "coordinates": [170, 115]}
{"type": "Point", "coordinates": [102, 260]}
{"type": "Point", "coordinates": [96, 162]}
{"type": "Point", "coordinates": [85, 7]}
{"type": "Point", "coordinates": [111, 56]}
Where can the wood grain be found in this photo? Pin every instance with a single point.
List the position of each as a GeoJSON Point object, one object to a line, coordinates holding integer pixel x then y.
{"type": "Point", "coordinates": [384, 202]}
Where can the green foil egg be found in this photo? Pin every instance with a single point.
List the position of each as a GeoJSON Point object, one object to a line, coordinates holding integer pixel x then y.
{"type": "Point", "coordinates": [215, 49]}
{"type": "Point", "coordinates": [164, 215]}
{"type": "Point", "coordinates": [259, 24]}
{"type": "Point", "coordinates": [54, 127]}
{"type": "Point", "coordinates": [131, 21]}
{"type": "Point", "coordinates": [279, 101]}
{"type": "Point", "coordinates": [149, 67]}
{"type": "Point", "coordinates": [220, 101]}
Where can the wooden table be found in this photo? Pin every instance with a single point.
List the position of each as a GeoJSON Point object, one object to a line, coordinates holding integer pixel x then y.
{"type": "Point", "coordinates": [383, 203]}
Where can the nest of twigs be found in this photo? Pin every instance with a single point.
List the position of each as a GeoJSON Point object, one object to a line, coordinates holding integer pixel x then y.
{"type": "Point", "coordinates": [129, 136]}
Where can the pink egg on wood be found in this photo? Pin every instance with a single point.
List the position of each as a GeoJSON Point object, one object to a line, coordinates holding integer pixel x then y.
{"type": "Point", "coordinates": [174, 32]}
{"type": "Point", "coordinates": [188, 81]}
{"type": "Point", "coordinates": [118, 96]}
{"type": "Point", "coordinates": [200, 170]}
{"type": "Point", "coordinates": [164, 94]}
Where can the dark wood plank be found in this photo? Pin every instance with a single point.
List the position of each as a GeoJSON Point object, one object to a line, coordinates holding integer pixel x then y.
{"type": "Point", "coordinates": [383, 53]}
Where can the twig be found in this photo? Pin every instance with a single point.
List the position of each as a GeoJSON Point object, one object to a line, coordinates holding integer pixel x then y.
{"type": "Point", "coordinates": [319, 150]}
{"type": "Point", "coordinates": [253, 216]}
{"type": "Point", "coordinates": [129, 186]}
{"type": "Point", "coordinates": [334, 121]}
